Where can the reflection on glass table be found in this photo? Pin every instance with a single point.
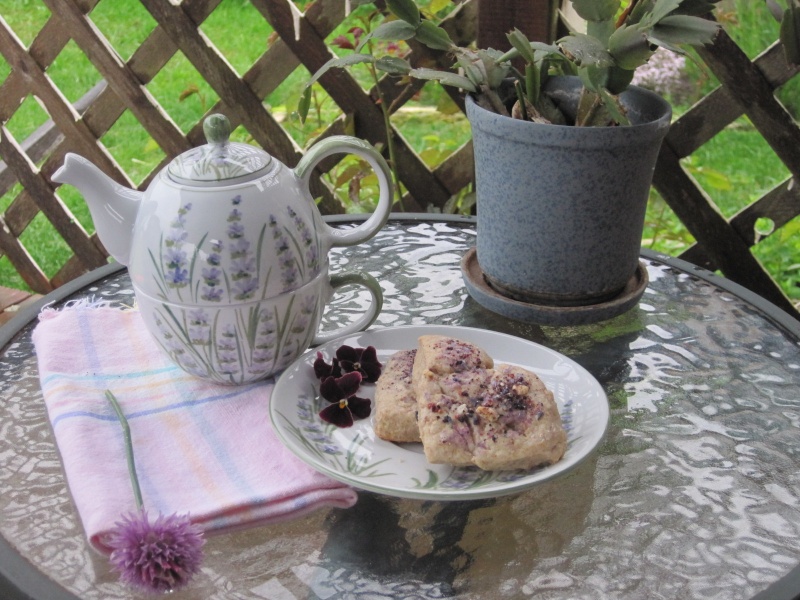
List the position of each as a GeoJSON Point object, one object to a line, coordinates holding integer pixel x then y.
{"type": "Point", "coordinates": [693, 493]}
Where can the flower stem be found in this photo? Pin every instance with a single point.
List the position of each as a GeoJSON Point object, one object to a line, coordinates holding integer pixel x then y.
{"type": "Point", "coordinates": [126, 433]}
{"type": "Point", "coordinates": [387, 124]}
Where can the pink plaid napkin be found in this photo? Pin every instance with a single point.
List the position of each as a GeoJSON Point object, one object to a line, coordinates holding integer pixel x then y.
{"type": "Point", "coordinates": [201, 448]}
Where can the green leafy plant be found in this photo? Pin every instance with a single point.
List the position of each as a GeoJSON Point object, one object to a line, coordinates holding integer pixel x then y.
{"type": "Point", "coordinates": [789, 18]}
{"type": "Point", "coordinates": [620, 37]}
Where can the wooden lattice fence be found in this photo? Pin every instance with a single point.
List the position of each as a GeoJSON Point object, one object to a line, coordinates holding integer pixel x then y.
{"type": "Point", "coordinates": [747, 87]}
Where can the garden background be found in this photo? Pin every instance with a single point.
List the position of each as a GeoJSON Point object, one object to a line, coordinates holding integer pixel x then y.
{"type": "Point", "coordinates": [736, 167]}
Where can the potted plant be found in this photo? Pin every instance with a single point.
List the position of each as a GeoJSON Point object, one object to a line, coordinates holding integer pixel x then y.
{"type": "Point", "coordinates": [565, 150]}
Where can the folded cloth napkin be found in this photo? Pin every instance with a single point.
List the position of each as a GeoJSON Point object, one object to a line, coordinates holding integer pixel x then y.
{"type": "Point", "coordinates": [201, 448]}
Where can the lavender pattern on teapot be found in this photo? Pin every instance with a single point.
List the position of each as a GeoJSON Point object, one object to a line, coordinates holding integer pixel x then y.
{"type": "Point", "coordinates": [240, 346]}
{"type": "Point", "coordinates": [230, 268]}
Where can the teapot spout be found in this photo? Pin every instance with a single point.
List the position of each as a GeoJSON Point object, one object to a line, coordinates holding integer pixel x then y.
{"type": "Point", "coordinates": [113, 207]}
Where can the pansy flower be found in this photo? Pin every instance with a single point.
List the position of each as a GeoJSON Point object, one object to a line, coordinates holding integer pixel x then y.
{"type": "Point", "coordinates": [323, 369]}
{"type": "Point", "coordinates": [344, 405]}
{"type": "Point", "coordinates": [360, 360]}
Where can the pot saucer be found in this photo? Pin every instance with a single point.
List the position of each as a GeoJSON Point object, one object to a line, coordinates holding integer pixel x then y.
{"type": "Point", "coordinates": [488, 297]}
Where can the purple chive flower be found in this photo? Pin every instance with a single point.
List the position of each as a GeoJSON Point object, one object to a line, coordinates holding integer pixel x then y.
{"type": "Point", "coordinates": [344, 405]}
{"type": "Point", "coordinates": [362, 360]}
{"type": "Point", "coordinates": [158, 556]}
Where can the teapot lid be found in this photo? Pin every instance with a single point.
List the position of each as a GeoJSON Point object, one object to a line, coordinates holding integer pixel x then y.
{"type": "Point", "coordinates": [220, 161]}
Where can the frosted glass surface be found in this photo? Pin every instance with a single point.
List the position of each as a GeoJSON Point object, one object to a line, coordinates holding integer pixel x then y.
{"type": "Point", "coordinates": [695, 492]}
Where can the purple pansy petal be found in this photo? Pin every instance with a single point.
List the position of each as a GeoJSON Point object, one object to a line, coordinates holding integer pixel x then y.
{"type": "Point", "coordinates": [349, 383]}
{"type": "Point", "coordinates": [363, 360]}
{"type": "Point", "coordinates": [334, 389]}
{"type": "Point", "coordinates": [337, 414]}
{"type": "Point", "coordinates": [360, 407]}
{"type": "Point", "coordinates": [358, 364]}
{"type": "Point", "coordinates": [370, 355]}
{"type": "Point", "coordinates": [322, 369]}
{"type": "Point", "coordinates": [348, 353]}
{"type": "Point", "coordinates": [370, 365]}
{"type": "Point", "coordinates": [329, 389]}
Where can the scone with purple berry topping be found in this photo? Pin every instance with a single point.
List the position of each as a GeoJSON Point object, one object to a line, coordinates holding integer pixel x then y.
{"type": "Point", "coordinates": [469, 413]}
{"type": "Point", "coordinates": [445, 439]}
{"type": "Point", "coordinates": [442, 355]}
{"type": "Point", "coordinates": [395, 416]}
{"type": "Point", "coordinates": [515, 422]}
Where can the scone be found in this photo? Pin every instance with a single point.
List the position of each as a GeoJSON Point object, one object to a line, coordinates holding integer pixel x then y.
{"type": "Point", "coordinates": [445, 438]}
{"type": "Point", "coordinates": [515, 423]}
{"type": "Point", "coordinates": [442, 355]}
{"type": "Point", "coordinates": [395, 416]}
{"type": "Point", "coordinates": [470, 414]}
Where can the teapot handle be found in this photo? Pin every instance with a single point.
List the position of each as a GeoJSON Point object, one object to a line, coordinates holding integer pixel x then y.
{"type": "Point", "coordinates": [344, 144]}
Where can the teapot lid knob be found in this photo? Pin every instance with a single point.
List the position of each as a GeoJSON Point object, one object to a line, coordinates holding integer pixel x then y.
{"type": "Point", "coordinates": [220, 162]}
{"type": "Point", "coordinates": [217, 129]}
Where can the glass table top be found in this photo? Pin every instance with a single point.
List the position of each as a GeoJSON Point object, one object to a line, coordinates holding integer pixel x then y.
{"type": "Point", "coordinates": [694, 493]}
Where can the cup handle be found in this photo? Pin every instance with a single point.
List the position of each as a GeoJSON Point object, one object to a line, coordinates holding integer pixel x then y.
{"type": "Point", "coordinates": [368, 281]}
{"type": "Point", "coordinates": [345, 144]}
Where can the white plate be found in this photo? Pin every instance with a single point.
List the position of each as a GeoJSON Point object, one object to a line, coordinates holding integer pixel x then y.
{"type": "Point", "coordinates": [355, 455]}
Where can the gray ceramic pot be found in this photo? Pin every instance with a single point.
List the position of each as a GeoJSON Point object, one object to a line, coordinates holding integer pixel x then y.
{"type": "Point", "coordinates": [561, 209]}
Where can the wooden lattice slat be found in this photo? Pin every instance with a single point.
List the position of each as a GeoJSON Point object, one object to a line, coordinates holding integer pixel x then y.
{"type": "Point", "coordinates": [120, 77]}
{"type": "Point", "coordinates": [720, 108]}
{"type": "Point", "coordinates": [52, 207]}
{"type": "Point", "coordinates": [755, 93]}
{"type": "Point", "coordinates": [60, 110]}
{"type": "Point", "coordinates": [748, 87]}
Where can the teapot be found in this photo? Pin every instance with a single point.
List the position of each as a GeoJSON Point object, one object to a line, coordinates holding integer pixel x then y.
{"type": "Point", "coordinates": [228, 253]}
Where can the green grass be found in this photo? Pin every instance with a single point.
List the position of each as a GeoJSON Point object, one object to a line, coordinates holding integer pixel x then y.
{"type": "Point", "coordinates": [735, 168]}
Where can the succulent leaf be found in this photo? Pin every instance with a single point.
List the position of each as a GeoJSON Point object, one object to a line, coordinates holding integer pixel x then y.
{"type": "Point", "coordinates": [495, 70]}
{"type": "Point", "coordinates": [666, 45]}
{"type": "Point", "coordinates": [541, 52]}
{"type": "Point", "coordinates": [618, 79]}
{"type": "Point", "coordinates": [340, 62]}
{"type": "Point", "coordinates": [467, 63]}
{"type": "Point", "coordinates": [612, 104]}
{"type": "Point", "coordinates": [394, 31]}
{"type": "Point", "coordinates": [640, 11]}
{"type": "Point", "coordinates": [444, 77]}
{"type": "Point", "coordinates": [585, 51]}
{"type": "Point", "coordinates": [601, 30]}
{"type": "Point", "coordinates": [661, 9]}
{"type": "Point", "coordinates": [593, 78]}
{"type": "Point", "coordinates": [304, 105]}
{"type": "Point", "coordinates": [406, 10]}
{"type": "Point", "coordinates": [519, 41]}
{"type": "Point", "coordinates": [393, 65]}
{"type": "Point", "coordinates": [629, 46]}
{"type": "Point", "coordinates": [685, 29]}
{"type": "Point", "coordinates": [433, 36]}
{"type": "Point", "coordinates": [596, 10]}
{"type": "Point", "coordinates": [790, 34]}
